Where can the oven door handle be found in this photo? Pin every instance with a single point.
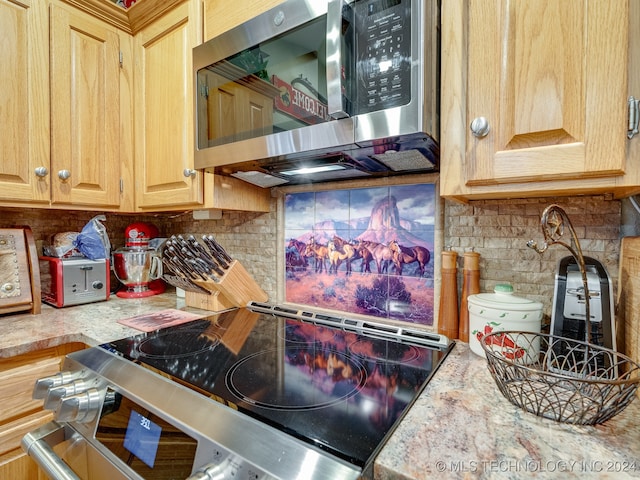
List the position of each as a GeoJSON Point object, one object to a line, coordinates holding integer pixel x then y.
{"type": "Point", "coordinates": [39, 446]}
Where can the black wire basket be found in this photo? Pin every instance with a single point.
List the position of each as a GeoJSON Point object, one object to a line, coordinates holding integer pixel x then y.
{"type": "Point", "coordinates": [565, 380]}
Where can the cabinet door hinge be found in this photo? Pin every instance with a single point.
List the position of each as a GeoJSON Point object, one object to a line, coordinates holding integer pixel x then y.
{"type": "Point", "coordinates": [121, 59]}
{"type": "Point", "coordinates": [204, 91]}
{"type": "Point", "coordinates": [634, 117]}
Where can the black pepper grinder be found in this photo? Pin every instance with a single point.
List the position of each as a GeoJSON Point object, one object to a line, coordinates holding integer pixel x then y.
{"type": "Point", "coordinates": [448, 313]}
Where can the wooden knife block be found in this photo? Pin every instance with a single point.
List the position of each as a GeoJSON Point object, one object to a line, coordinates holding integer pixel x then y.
{"type": "Point", "coordinates": [236, 288]}
{"type": "Point", "coordinates": [19, 271]}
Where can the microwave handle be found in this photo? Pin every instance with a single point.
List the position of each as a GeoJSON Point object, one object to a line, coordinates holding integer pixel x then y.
{"type": "Point", "coordinates": [335, 80]}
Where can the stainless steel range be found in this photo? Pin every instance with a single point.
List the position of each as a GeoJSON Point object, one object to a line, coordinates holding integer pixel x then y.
{"type": "Point", "coordinates": [264, 392]}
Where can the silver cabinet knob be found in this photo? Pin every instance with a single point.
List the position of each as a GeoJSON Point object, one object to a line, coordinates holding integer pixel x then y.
{"type": "Point", "coordinates": [41, 172]}
{"type": "Point", "coordinates": [190, 172]}
{"type": "Point", "coordinates": [479, 127]}
{"type": "Point", "coordinates": [278, 18]}
{"type": "Point", "coordinates": [64, 175]}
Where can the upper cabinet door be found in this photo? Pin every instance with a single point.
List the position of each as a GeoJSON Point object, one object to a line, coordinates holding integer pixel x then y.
{"type": "Point", "coordinates": [550, 79]}
{"type": "Point", "coordinates": [220, 16]}
{"type": "Point", "coordinates": [85, 110]}
{"type": "Point", "coordinates": [24, 102]}
{"type": "Point", "coordinates": [164, 123]}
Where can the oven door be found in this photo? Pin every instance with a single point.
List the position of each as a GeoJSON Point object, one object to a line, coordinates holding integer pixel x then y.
{"type": "Point", "coordinates": [64, 454]}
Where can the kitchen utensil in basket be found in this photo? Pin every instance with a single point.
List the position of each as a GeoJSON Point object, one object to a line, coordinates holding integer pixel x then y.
{"type": "Point", "coordinates": [569, 381]}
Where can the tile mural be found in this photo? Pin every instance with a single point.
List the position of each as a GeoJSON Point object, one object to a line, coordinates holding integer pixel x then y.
{"type": "Point", "coordinates": [367, 251]}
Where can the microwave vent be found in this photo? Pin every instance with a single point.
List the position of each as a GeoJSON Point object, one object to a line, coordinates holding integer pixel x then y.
{"type": "Point", "coordinates": [405, 160]}
{"type": "Point", "coordinates": [260, 179]}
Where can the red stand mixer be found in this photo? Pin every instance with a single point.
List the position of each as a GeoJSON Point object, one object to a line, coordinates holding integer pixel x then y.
{"type": "Point", "coordinates": [138, 265]}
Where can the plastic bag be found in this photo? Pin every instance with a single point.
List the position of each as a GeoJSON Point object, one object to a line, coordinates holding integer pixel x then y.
{"type": "Point", "coordinates": [93, 241]}
{"type": "Point", "coordinates": [62, 245]}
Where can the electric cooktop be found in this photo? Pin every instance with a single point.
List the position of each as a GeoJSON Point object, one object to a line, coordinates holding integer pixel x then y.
{"type": "Point", "coordinates": [338, 384]}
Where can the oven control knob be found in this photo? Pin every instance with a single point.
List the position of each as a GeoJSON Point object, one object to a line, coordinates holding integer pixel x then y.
{"type": "Point", "coordinates": [228, 468]}
{"type": "Point", "coordinates": [56, 394]}
{"type": "Point", "coordinates": [208, 472]}
{"type": "Point", "coordinates": [81, 407]}
{"type": "Point", "coordinates": [43, 384]}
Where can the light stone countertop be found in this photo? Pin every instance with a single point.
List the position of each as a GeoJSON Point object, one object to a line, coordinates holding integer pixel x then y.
{"type": "Point", "coordinates": [92, 323]}
{"type": "Point", "coordinates": [460, 427]}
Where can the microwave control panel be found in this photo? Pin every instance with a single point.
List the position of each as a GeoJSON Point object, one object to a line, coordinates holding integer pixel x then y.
{"type": "Point", "coordinates": [383, 45]}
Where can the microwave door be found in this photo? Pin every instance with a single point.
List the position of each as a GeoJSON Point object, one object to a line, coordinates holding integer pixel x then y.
{"type": "Point", "coordinates": [264, 88]}
{"type": "Point", "coordinates": [267, 94]}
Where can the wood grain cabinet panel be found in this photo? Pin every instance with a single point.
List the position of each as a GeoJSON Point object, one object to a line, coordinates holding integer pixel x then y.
{"type": "Point", "coordinates": [21, 414]}
{"type": "Point", "coordinates": [551, 80]}
{"type": "Point", "coordinates": [85, 109]}
{"type": "Point", "coordinates": [221, 15]}
{"type": "Point", "coordinates": [164, 147]}
{"type": "Point", "coordinates": [61, 106]}
{"type": "Point", "coordinates": [24, 101]}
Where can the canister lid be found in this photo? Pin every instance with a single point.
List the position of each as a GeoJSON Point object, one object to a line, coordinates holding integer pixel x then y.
{"type": "Point", "coordinates": [503, 298]}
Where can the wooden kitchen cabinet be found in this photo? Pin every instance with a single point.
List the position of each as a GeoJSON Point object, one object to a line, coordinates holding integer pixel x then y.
{"type": "Point", "coordinates": [24, 101]}
{"type": "Point", "coordinates": [222, 15]}
{"type": "Point", "coordinates": [85, 109]}
{"type": "Point", "coordinates": [21, 414]}
{"type": "Point", "coordinates": [104, 95]}
{"type": "Point", "coordinates": [163, 112]}
{"type": "Point", "coordinates": [61, 108]}
{"type": "Point", "coordinates": [551, 81]}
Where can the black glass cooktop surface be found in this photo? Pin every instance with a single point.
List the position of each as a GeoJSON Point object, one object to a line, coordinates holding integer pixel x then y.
{"type": "Point", "coordinates": [341, 391]}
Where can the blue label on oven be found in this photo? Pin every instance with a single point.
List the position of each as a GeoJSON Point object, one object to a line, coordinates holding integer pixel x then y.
{"type": "Point", "coordinates": [142, 438]}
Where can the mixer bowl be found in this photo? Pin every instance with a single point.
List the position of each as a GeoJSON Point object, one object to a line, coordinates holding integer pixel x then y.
{"type": "Point", "coordinates": [135, 267]}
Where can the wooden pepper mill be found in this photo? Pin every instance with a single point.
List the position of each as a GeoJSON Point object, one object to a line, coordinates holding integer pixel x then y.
{"type": "Point", "coordinates": [448, 313]}
{"type": "Point", "coordinates": [470, 286]}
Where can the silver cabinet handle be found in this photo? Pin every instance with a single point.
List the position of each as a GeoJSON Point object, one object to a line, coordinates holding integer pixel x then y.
{"type": "Point", "coordinates": [41, 172]}
{"type": "Point", "coordinates": [64, 175]}
{"type": "Point", "coordinates": [479, 127]}
{"type": "Point", "coordinates": [190, 172]}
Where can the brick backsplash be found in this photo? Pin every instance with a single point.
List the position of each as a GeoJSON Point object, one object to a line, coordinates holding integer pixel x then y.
{"type": "Point", "coordinates": [248, 237]}
{"type": "Point", "coordinates": [497, 229]}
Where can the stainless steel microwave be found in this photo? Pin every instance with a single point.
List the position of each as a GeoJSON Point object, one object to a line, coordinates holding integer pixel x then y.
{"type": "Point", "coordinates": [316, 90]}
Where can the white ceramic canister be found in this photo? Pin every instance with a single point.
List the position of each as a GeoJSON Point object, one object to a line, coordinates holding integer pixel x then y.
{"type": "Point", "coordinates": [499, 311]}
